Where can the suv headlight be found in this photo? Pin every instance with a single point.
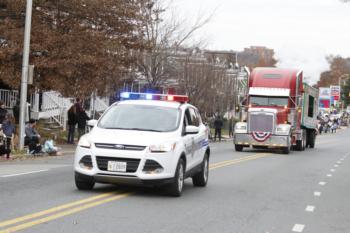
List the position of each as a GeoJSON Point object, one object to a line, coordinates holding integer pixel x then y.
{"type": "Point", "coordinates": [283, 129]}
{"type": "Point", "coordinates": [163, 147]}
{"type": "Point", "coordinates": [84, 142]}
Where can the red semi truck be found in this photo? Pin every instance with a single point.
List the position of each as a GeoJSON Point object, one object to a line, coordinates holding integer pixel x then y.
{"type": "Point", "coordinates": [281, 112]}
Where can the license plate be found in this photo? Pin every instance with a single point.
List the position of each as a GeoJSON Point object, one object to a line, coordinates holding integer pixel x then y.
{"type": "Point", "coordinates": [115, 166]}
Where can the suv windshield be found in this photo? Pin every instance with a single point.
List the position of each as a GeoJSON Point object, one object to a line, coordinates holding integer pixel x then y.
{"type": "Point", "coordinates": [141, 117]}
{"type": "Point", "coordinates": [268, 101]}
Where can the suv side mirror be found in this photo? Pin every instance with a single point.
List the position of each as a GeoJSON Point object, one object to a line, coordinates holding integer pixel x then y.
{"type": "Point", "coordinates": [191, 129]}
{"type": "Point", "coordinates": [92, 123]}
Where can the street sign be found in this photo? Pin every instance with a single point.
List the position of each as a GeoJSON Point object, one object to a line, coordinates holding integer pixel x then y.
{"type": "Point", "coordinates": [325, 93]}
{"type": "Point", "coordinates": [324, 97]}
{"type": "Point", "coordinates": [335, 92]}
{"type": "Point", "coordinates": [30, 74]}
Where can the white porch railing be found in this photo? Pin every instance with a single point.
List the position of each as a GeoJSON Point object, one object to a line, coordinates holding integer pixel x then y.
{"type": "Point", "coordinates": [55, 107]}
{"type": "Point", "coordinates": [97, 105]}
{"type": "Point", "coordinates": [9, 97]}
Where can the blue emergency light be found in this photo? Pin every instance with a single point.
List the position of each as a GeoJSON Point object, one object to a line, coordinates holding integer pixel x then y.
{"type": "Point", "coordinates": [150, 96]}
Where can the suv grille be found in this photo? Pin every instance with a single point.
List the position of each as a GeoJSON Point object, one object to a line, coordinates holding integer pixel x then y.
{"type": "Point", "coordinates": [119, 146]}
{"type": "Point", "coordinates": [261, 122]}
{"type": "Point", "coordinates": [131, 164]}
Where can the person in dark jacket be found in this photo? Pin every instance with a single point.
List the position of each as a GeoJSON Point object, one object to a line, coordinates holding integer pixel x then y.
{"type": "Point", "coordinates": [218, 123]}
{"type": "Point", "coordinates": [72, 121]}
{"type": "Point", "coordinates": [3, 112]}
{"type": "Point", "coordinates": [15, 110]}
{"type": "Point", "coordinates": [82, 117]}
{"type": "Point", "coordinates": [9, 130]}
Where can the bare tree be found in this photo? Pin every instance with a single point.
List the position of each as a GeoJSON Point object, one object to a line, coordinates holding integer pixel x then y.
{"type": "Point", "coordinates": [163, 37]}
{"type": "Point", "coordinates": [208, 83]}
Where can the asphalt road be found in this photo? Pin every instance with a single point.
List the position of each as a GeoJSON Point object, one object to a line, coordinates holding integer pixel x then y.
{"type": "Point", "coordinates": [248, 192]}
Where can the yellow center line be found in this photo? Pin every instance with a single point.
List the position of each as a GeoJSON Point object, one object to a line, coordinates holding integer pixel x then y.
{"type": "Point", "coordinates": [66, 209]}
{"type": "Point", "coordinates": [239, 160]}
{"type": "Point", "coordinates": [54, 209]}
{"type": "Point", "coordinates": [64, 213]}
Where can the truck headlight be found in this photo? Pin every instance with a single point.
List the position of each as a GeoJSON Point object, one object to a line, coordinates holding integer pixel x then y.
{"type": "Point", "coordinates": [163, 147]}
{"type": "Point", "coordinates": [241, 127]}
{"type": "Point", "coordinates": [283, 129]}
{"type": "Point", "coordinates": [84, 142]}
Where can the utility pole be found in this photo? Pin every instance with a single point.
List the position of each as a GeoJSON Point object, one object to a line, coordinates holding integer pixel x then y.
{"type": "Point", "coordinates": [24, 79]}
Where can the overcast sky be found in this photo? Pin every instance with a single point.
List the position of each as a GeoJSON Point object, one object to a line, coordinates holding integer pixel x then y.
{"type": "Point", "coordinates": [302, 32]}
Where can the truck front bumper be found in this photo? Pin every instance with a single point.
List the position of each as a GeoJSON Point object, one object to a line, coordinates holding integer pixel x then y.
{"type": "Point", "coordinates": [246, 139]}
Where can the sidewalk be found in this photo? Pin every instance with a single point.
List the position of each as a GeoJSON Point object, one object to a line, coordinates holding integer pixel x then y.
{"type": "Point", "coordinates": [224, 138]}
{"type": "Point", "coordinates": [65, 149]}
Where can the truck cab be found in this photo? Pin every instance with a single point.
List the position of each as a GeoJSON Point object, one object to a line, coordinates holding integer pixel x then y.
{"type": "Point", "coordinates": [281, 111]}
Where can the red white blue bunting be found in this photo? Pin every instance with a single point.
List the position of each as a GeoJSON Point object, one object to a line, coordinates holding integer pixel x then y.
{"type": "Point", "coordinates": [261, 136]}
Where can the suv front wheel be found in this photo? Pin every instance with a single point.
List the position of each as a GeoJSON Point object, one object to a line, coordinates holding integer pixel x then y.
{"type": "Point", "coordinates": [201, 178]}
{"type": "Point", "coordinates": [176, 187]}
{"type": "Point", "coordinates": [83, 182]}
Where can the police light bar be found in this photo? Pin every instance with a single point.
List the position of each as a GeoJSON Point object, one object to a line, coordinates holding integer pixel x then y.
{"type": "Point", "coordinates": [150, 96]}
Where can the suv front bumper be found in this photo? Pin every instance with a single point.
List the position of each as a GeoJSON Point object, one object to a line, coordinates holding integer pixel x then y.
{"type": "Point", "coordinates": [120, 179]}
{"type": "Point", "coordinates": [139, 177]}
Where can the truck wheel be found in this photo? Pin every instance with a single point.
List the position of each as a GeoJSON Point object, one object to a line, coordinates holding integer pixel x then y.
{"type": "Point", "coordinates": [84, 182]}
{"type": "Point", "coordinates": [201, 178]}
{"type": "Point", "coordinates": [238, 147]}
{"type": "Point", "coordinates": [308, 132]}
{"type": "Point", "coordinates": [176, 187]}
{"type": "Point", "coordinates": [286, 150]}
{"type": "Point", "coordinates": [312, 139]}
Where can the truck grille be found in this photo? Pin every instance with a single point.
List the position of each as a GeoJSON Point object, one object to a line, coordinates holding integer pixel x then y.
{"type": "Point", "coordinates": [261, 122]}
{"type": "Point", "coordinates": [131, 164]}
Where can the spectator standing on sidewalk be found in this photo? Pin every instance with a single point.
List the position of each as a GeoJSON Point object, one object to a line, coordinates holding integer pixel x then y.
{"type": "Point", "coordinates": [15, 110]}
{"type": "Point", "coordinates": [72, 121]}
{"type": "Point", "coordinates": [334, 126]}
{"type": "Point", "coordinates": [9, 129]}
{"type": "Point", "coordinates": [230, 127]}
{"type": "Point", "coordinates": [82, 117]}
{"type": "Point", "coordinates": [3, 112]}
{"type": "Point", "coordinates": [218, 123]}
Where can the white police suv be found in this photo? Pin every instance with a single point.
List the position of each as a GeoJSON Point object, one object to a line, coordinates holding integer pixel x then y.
{"type": "Point", "coordinates": [146, 139]}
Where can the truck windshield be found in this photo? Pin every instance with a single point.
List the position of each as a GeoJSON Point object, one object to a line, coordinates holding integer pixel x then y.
{"type": "Point", "coordinates": [268, 101]}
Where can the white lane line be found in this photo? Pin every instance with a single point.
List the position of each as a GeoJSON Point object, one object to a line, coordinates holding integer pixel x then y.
{"type": "Point", "coordinates": [310, 208]}
{"type": "Point", "coordinates": [298, 228]}
{"type": "Point", "coordinates": [339, 162]}
{"type": "Point", "coordinates": [322, 183]}
{"type": "Point", "coordinates": [24, 173]}
{"type": "Point", "coordinates": [332, 170]}
{"type": "Point", "coordinates": [336, 165]}
{"type": "Point", "coordinates": [317, 194]}
{"type": "Point", "coordinates": [329, 175]}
